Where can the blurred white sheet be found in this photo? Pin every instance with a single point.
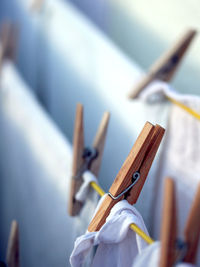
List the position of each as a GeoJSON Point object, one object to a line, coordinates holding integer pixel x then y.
{"type": "Point", "coordinates": [35, 168]}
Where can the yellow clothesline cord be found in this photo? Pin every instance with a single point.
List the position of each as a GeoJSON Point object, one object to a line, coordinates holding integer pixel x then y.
{"type": "Point", "coordinates": [97, 188]}
{"type": "Point", "coordinates": [142, 234]}
{"type": "Point", "coordinates": [187, 109]}
{"type": "Point", "coordinates": [133, 226]}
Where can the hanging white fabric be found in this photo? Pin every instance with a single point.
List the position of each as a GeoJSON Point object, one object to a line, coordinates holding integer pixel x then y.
{"type": "Point", "coordinates": [117, 244]}
{"type": "Point", "coordinates": [82, 194]}
{"type": "Point", "coordinates": [180, 153]}
{"type": "Point", "coordinates": [150, 257]}
{"type": "Point", "coordinates": [35, 167]}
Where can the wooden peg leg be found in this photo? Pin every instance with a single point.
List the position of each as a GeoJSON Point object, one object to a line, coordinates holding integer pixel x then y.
{"type": "Point", "coordinates": [168, 229]}
{"type": "Point", "coordinates": [4, 38]}
{"type": "Point", "coordinates": [12, 256]}
{"type": "Point", "coordinates": [192, 229]}
{"type": "Point", "coordinates": [78, 147]}
{"type": "Point", "coordinates": [99, 142]}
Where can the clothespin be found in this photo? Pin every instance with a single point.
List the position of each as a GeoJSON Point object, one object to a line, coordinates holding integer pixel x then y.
{"type": "Point", "coordinates": [165, 67]}
{"type": "Point", "coordinates": [85, 158]}
{"type": "Point", "coordinates": [12, 256]}
{"type": "Point", "coordinates": [8, 41]}
{"type": "Point", "coordinates": [192, 230]}
{"type": "Point", "coordinates": [132, 175]}
{"type": "Point", "coordinates": [36, 5]}
{"type": "Point", "coordinates": [168, 231]}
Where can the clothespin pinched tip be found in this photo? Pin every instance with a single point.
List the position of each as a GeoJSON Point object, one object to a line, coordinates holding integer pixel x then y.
{"type": "Point", "coordinates": [132, 175]}
{"type": "Point", "coordinates": [165, 67]}
{"type": "Point", "coordinates": [12, 257]}
{"type": "Point", "coordinates": [84, 159]}
{"type": "Point", "coordinates": [8, 41]}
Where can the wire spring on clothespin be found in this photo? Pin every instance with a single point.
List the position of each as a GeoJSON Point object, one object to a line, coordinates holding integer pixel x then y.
{"type": "Point", "coordinates": [89, 154]}
{"type": "Point", "coordinates": [133, 226]}
{"type": "Point", "coordinates": [181, 249]}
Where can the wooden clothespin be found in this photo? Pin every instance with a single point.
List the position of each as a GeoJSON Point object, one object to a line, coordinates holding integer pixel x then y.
{"type": "Point", "coordinates": [168, 230]}
{"type": "Point", "coordinates": [132, 175]}
{"type": "Point", "coordinates": [36, 5]}
{"type": "Point", "coordinates": [8, 41]}
{"type": "Point", "coordinates": [192, 230]}
{"type": "Point", "coordinates": [165, 67]}
{"type": "Point", "coordinates": [169, 227]}
{"type": "Point", "coordinates": [84, 158]}
{"type": "Point", "coordinates": [12, 256]}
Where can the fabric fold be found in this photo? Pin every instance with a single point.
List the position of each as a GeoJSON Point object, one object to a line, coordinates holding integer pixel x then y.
{"type": "Point", "coordinates": [117, 244]}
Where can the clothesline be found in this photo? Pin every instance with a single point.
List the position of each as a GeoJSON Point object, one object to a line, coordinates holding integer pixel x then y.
{"type": "Point", "coordinates": [133, 226]}
{"type": "Point", "coordinates": [186, 108]}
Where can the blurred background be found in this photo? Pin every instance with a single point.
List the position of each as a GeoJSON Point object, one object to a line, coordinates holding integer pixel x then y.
{"type": "Point", "coordinates": [65, 52]}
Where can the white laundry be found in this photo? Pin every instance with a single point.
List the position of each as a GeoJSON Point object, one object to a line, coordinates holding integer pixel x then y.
{"type": "Point", "coordinates": [117, 244]}
{"type": "Point", "coordinates": [35, 169]}
{"type": "Point", "coordinates": [180, 153]}
{"type": "Point", "coordinates": [82, 194]}
{"type": "Point", "coordinates": [150, 257]}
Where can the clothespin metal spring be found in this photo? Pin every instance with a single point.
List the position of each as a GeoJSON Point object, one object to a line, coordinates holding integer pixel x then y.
{"type": "Point", "coordinates": [133, 226]}
{"type": "Point", "coordinates": [181, 248]}
{"type": "Point", "coordinates": [89, 154]}
{"type": "Point", "coordinates": [135, 178]}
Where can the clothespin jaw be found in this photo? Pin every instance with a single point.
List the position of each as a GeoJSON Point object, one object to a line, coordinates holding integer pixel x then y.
{"type": "Point", "coordinates": [165, 67]}
{"type": "Point", "coordinates": [8, 41]}
{"type": "Point", "coordinates": [192, 230]}
{"type": "Point", "coordinates": [12, 256]}
{"type": "Point", "coordinates": [79, 159]}
{"type": "Point", "coordinates": [168, 230]}
{"type": "Point", "coordinates": [132, 175]}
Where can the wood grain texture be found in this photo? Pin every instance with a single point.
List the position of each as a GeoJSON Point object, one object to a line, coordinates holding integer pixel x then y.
{"type": "Point", "coordinates": [165, 67]}
{"type": "Point", "coordinates": [140, 154]}
{"type": "Point", "coordinates": [150, 154]}
{"type": "Point", "coordinates": [78, 146]}
{"type": "Point", "coordinates": [12, 257]}
{"type": "Point", "coordinates": [192, 229]}
{"type": "Point", "coordinates": [99, 142]}
{"type": "Point", "coordinates": [168, 227]}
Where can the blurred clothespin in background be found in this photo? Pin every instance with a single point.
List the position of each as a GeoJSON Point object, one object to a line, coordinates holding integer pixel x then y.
{"type": "Point", "coordinates": [85, 158]}
{"type": "Point", "coordinates": [12, 257]}
{"type": "Point", "coordinates": [172, 249]}
{"type": "Point", "coordinates": [8, 41]}
{"type": "Point", "coordinates": [36, 5]}
{"type": "Point", "coordinates": [165, 67]}
{"type": "Point", "coordinates": [132, 175]}
{"type": "Point", "coordinates": [168, 227]}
